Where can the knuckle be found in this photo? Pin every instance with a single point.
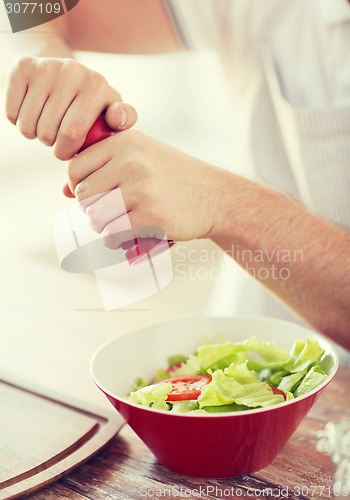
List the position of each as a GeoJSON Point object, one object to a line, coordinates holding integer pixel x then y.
{"type": "Point", "coordinates": [24, 62]}
{"type": "Point", "coordinates": [27, 131]}
{"type": "Point", "coordinates": [92, 80]}
{"type": "Point", "coordinates": [74, 131]}
{"type": "Point", "coordinates": [45, 67]}
{"type": "Point", "coordinates": [72, 68]}
{"type": "Point", "coordinates": [137, 167]}
{"type": "Point", "coordinates": [46, 137]}
{"type": "Point", "coordinates": [41, 67]}
{"type": "Point", "coordinates": [96, 81]}
{"type": "Point", "coordinates": [61, 154]}
{"type": "Point", "coordinates": [70, 64]}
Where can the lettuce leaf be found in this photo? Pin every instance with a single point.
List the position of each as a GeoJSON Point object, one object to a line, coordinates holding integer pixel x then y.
{"type": "Point", "coordinates": [225, 408]}
{"type": "Point", "coordinates": [262, 355]}
{"type": "Point", "coordinates": [288, 383]}
{"type": "Point", "coordinates": [154, 396]}
{"type": "Point", "coordinates": [219, 356]}
{"type": "Point", "coordinates": [314, 377]}
{"type": "Point", "coordinates": [237, 384]}
{"type": "Point", "coordinates": [185, 406]}
{"type": "Point", "coordinates": [304, 354]}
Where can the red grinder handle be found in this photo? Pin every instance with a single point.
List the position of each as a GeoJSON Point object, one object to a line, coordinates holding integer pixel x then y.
{"type": "Point", "coordinates": [99, 131]}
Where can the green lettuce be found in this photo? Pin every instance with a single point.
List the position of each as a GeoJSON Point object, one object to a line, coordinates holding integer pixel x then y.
{"type": "Point", "coordinates": [304, 354]}
{"type": "Point", "coordinates": [154, 396]}
{"type": "Point", "coordinates": [262, 355]}
{"type": "Point", "coordinates": [314, 377]}
{"type": "Point", "coordinates": [219, 356]}
{"type": "Point", "coordinates": [185, 406]}
{"type": "Point", "coordinates": [289, 382]}
{"type": "Point", "coordinates": [243, 375]}
{"type": "Point", "coordinates": [237, 384]}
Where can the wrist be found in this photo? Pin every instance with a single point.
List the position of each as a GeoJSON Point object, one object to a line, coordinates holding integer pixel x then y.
{"type": "Point", "coordinates": [39, 42]}
{"type": "Point", "coordinates": [245, 212]}
{"type": "Point", "coordinates": [51, 45]}
{"type": "Point", "coordinates": [224, 206]}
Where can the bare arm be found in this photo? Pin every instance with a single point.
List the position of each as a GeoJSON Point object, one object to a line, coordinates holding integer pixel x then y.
{"type": "Point", "coordinates": [116, 26]}
{"type": "Point", "coordinates": [302, 259]}
{"type": "Point", "coordinates": [119, 26]}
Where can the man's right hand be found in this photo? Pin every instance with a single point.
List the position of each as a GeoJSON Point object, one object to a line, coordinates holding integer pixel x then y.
{"type": "Point", "coordinates": [58, 100]}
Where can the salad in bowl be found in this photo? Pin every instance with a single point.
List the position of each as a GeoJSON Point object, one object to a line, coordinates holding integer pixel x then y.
{"type": "Point", "coordinates": [234, 376]}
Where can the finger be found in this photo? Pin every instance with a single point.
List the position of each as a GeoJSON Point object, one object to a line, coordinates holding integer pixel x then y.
{"type": "Point", "coordinates": [52, 115]}
{"type": "Point", "coordinates": [84, 165]}
{"type": "Point", "coordinates": [31, 109]}
{"type": "Point", "coordinates": [100, 181]}
{"type": "Point", "coordinates": [120, 116]}
{"type": "Point", "coordinates": [73, 128]}
{"type": "Point", "coordinates": [15, 90]}
{"type": "Point", "coordinates": [75, 124]}
{"type": "Point", "coordinates": [109, 207]}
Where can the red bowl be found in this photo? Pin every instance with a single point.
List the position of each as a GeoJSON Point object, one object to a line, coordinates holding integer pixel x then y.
{"type": "Point", "coordinates": [214, 445]}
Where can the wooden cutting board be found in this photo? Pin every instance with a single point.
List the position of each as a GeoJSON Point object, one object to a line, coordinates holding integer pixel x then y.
{"type": "Point", "coordinates": [44, 436]}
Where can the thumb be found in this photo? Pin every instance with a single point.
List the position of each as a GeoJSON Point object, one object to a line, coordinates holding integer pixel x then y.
{"type": "Point", "coordinates": [120, 116]}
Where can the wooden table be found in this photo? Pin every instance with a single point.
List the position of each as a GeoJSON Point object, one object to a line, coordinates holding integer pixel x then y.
{"type": "Point", "coordinates": [127, 470]}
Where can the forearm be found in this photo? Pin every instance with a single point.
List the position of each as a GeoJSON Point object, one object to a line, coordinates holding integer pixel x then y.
{"type": "Point", "coordinates": [117, 26]}
{"type": "Point", "coordinates": [299, 257]}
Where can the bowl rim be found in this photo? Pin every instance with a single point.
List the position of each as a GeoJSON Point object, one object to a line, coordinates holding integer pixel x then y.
{"type": "Point", "coordinates": [324, 341]}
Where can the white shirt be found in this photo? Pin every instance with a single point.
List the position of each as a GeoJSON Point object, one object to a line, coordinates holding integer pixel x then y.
{"type": "Point", "coordinates": [288, 66]}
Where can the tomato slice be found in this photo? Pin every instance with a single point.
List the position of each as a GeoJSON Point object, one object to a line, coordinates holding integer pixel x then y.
{"type": "Point", "coordinates": [278, 391]}
{"type": "Point", "coordinates": [186, 388]}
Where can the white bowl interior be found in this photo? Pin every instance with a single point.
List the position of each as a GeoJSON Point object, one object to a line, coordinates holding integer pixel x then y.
{"type": "Point", "coordinates": [139, 353]}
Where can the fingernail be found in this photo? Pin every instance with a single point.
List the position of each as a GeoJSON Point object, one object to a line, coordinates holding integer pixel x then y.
{"type": "Point", "coordinates": [79, 189]}
{"type": "Point", "coordinates": [124, 117]}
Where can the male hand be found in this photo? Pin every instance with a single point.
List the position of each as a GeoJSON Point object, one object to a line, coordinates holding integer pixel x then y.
{"type": "Point", "coordinates": [130, 180]}
{"type": "Point", "coordinates": [58, 100]}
